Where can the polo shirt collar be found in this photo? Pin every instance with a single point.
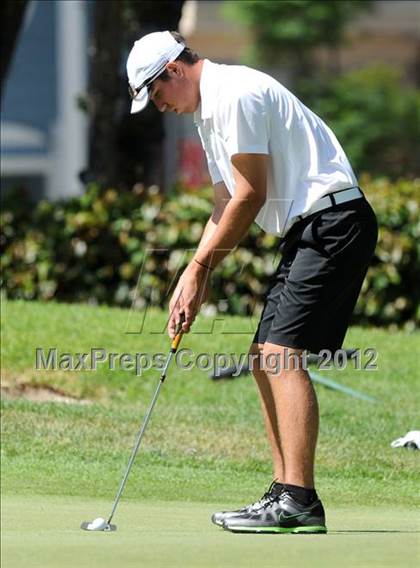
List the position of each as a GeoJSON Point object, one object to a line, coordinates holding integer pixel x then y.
{"type": "Point", "coordinates": [208, 90]}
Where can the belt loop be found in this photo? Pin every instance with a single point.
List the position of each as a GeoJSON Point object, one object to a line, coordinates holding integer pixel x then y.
{"type": "Point", "coordinates": [333, 199]}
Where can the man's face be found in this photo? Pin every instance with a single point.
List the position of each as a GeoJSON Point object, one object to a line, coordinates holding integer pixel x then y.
{"type": "Point", "coordinates": [177, 94]}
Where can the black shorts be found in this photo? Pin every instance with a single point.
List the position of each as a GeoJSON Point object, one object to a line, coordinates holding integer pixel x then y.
{"type": "Point", "coordinates": [314, 290]}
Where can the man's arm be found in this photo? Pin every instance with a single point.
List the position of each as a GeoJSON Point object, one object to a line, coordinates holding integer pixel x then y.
{"type": "Point", "coordinates": [250, 174]}
{"type": "Point", "coordinates": [221, 199]}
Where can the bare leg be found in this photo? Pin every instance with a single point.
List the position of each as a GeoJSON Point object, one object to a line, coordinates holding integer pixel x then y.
{"type": "Point", "coordinates": [269, 413]}
{"type": "Point", "coordinates": [296, 408]}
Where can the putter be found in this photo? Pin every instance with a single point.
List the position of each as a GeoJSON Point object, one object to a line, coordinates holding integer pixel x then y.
{"type": "Point", "coordinates": [101, 524]}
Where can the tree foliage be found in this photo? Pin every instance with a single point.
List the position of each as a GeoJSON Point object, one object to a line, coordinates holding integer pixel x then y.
{"type": "Point", "coordinates": [375, 117]}
{"type": "Point", "coordinates": [289, 30]}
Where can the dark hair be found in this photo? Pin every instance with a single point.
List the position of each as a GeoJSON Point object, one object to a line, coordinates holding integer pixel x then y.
{"type": "Point", "coordinates": [187, 56]}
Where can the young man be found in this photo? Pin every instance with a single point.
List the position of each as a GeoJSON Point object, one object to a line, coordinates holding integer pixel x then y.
{"type": "Point", "coordinates": [275, 162]}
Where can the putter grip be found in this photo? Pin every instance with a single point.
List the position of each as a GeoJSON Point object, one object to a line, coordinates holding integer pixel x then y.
{"type": "Point", "coordinates": [178, 334]}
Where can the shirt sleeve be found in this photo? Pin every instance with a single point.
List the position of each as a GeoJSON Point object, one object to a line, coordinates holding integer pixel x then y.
{"type": "Point", "coordinates": [213, 170]}
{"type": "Point", "coordinates": [245, 125]}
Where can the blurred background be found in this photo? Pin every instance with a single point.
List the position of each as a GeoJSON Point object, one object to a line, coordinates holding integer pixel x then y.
{"type": "Point", "coordinates": [87, 189]}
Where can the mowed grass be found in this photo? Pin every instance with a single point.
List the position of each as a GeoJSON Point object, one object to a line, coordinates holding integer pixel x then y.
{"type": "Point", "coordinates": [206, 441]}
{"type": "Point", "coordinates": [179, 535]}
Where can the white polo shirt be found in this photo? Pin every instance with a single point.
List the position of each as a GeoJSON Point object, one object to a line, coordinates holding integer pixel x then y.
{"type": "Point", "coordinates": [246, 111]}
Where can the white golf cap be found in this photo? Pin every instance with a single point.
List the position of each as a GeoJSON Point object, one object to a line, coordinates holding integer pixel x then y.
{"type": "Point", "coordinates": [147, 60]}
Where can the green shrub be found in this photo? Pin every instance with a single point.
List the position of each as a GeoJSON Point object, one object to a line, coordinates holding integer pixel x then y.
{"type": "Point", "coordinates": [94, 248]}
{"type": "Point", "coordinates": [375, 117]}
{"type": "Point", "coordinates": [391, 291]}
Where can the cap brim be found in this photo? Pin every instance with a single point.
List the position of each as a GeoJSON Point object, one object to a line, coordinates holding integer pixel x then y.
{"type": "Point", "coordinates": [140, 102]}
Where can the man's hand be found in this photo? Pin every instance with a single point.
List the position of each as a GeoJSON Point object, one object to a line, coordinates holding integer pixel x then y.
{"type": "Point", "coordinates": [191, 291]}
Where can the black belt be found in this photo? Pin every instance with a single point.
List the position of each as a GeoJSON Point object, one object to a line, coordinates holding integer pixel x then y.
{"type": "Point", "coordinates": [331, 199]}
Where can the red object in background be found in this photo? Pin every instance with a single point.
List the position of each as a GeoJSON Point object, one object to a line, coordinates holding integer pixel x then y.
{"type": "Point", "coordinates": [192, 168]}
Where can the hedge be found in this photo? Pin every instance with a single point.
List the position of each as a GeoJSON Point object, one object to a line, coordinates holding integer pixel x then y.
{"type": "Point", "coordinates": [95, 247]}
{"type": "Point", "coordinates": [374, 114]}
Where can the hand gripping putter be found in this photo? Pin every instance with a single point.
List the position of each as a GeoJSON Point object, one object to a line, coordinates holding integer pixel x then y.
{"type": "Point", "coordinates": [100, 524]}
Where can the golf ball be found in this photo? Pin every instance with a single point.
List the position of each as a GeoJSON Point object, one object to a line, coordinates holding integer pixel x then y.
{"type": "Point", "coordinates": [97, 524]}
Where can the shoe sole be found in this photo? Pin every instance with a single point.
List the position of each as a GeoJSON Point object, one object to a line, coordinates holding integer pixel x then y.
{"type": "Point", "coordinates": [314, 529]}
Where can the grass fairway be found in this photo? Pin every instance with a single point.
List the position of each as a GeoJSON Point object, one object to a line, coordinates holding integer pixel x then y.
{"type": "Point", "coordinates": [205, 449]}
{"type": "Point", "coordinates": [178, 535]}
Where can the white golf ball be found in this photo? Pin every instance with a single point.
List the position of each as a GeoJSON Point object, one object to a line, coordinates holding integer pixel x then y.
{"type": "Point", "coordinates": [97, 524]}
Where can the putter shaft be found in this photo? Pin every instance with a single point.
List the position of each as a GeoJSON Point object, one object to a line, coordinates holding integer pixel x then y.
{"type": "Point", "coordinates": [174, 347]}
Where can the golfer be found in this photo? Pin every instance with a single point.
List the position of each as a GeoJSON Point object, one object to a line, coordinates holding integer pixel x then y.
{"type": "Point", "coordinates": [273, 161]}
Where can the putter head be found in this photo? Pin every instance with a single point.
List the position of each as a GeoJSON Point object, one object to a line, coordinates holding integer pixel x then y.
{"type": "Point", "coordinates": [98, 524]}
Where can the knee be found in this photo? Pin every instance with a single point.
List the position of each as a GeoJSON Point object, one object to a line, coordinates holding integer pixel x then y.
{"type": "Point", "coordinates": [278, 359]}
{"type": "Point", "coordinates": [255, 356]}
{"type": "Point", "coordinates": [272, 359]}
{"type": "Point", "coordinates": [262, 357]}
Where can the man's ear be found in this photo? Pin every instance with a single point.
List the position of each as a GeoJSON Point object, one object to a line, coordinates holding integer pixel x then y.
{"type": "Point", "coordinates": [175, 69]}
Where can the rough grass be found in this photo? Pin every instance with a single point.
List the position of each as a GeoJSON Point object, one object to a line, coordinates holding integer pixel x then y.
{"type": "Point", "coordinates": [206, 441]}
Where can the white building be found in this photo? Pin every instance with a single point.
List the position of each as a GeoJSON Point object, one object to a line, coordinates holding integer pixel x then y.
{"type": "Point", "coordinates": [43, 132]}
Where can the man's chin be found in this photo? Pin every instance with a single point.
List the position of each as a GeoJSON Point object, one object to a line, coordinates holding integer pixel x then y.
{"type": "Point", "coordinates": [185, 110]}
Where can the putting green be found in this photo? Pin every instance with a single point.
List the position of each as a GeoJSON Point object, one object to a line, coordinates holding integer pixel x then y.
{"type": "Point", "coordinates": [44, 532]}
